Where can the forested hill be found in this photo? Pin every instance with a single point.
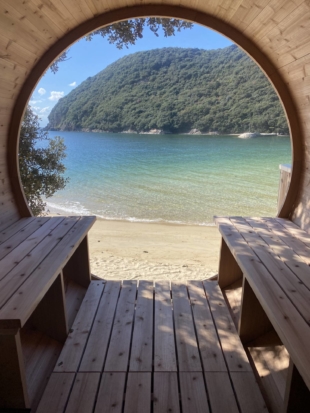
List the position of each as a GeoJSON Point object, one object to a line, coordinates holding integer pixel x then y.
{"type": "Point", "coordinates": [176, 90]}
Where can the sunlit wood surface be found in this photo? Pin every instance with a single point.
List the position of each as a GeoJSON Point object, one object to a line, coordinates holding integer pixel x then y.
{"type": "Point", "coordinates": [273, 258]}
{"type": "Point", "coordinates": [139, 347]}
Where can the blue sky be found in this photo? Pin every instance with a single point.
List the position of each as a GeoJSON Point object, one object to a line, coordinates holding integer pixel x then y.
{"type": "Point", "coordinates": [88, 58]}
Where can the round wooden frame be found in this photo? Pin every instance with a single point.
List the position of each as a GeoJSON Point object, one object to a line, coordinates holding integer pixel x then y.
{"type": "Point", "coordinates": [160, 11]}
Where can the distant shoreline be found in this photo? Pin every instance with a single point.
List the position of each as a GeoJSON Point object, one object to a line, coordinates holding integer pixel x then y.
{"type": "Point", "coordinates": [161, 132]}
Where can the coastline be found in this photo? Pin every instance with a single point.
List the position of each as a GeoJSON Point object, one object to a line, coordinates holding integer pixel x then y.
{"type": "Point", "coordinates": [152, 251]}
{"type": "Point", "coordinates": [123, 250]}
{"type": "Point", "coordinates": [192, 132]}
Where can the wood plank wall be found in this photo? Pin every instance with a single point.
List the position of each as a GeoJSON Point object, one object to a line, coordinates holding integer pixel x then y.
{"type": "Point", "coordinates": [275, 32]}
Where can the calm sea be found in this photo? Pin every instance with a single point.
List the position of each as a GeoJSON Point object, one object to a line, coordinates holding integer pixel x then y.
{"type": "Point", "coordinates": [170, 178]}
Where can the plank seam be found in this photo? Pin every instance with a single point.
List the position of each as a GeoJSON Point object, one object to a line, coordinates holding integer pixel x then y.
{"type": "Point", "coordinates": [176, 350]}
{"type": "Point", "coordinates": [271, 274]}
{"type": "Point", "coordinates": [108, 344]}
{"type": "Point", "coordinates": [133, 326]}
{"type": "Point", "coordinates": [199, 352]}
{"type": "Point", "coordinates": [224, 355]}
{"type": "Point", "coordinates": [38, 263]}
{"type": "Point", "coordinates": [21, 240]}
{"type": "Point", "coordinates": [15, 232]}
{"type": "Point", "coordinates": [90, 330]}
{"type": "Point", "coordinates": [112, 324]}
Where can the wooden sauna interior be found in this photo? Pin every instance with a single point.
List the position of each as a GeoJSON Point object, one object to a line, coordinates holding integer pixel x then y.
{"type": "Point", "coordinates": [275, 33]}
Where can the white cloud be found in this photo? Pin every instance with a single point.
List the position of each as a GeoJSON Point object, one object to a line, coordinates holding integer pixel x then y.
{"type": "Point", "coordinates": [33, 102]}
{"type": "Point", "coordinates": [43, 110]}
{"type": "Point", "coordinates": [72, 84]}
{"type": "Point", "coordinates": [41, 91]}
{"type": "Point", "coordinates": [56, 95]}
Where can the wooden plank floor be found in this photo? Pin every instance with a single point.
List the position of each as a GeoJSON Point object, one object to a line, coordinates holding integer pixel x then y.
{"type": "Point", "coordinates": [153, 347]}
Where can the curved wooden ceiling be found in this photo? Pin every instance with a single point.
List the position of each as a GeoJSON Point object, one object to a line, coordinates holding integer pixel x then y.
{"type": "Point", "coordinates": [276, 33]}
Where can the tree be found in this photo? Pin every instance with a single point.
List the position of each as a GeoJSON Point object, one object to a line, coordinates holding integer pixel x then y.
{"type": "Point", "coordinates": [41, 167]}
{"type": "Point", "coordinates": [127, 32]}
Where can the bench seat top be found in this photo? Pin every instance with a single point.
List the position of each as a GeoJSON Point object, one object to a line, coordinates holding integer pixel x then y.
{"type": "Point", "coordinates": [32, 253]}
{"type": "Point", "coordinates": [274, 256]}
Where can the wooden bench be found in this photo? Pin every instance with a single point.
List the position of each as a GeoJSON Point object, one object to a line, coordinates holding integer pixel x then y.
{"type": "Point", "coordinates": [44, 274]}
{"type": "Point", "coordinates": [265, 275]}
{"type": "Point", "coordinates": [142, 348]}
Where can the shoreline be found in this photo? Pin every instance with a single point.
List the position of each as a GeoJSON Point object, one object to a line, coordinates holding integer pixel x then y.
{"type": "Point", "coordinates": [152, 251]}
{"type": "Point", "coordinates": [51, 211]}
{"type": "Point", "coordinates": [123, 250]}
{"type": "Point", "coordinates": [132, 132]}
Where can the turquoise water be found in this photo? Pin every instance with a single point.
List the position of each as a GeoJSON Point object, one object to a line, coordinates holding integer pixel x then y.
{"type": "Point", "coordinates": [170, 178]}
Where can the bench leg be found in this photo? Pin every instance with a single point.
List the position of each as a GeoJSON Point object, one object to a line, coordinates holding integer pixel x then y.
{"type": "Point", "coordinates": [253, 319]}
{"type": "Point", "coordinates": [297, 394]}
{"type": "Point", "coordinates": [229, 270]}
{"type": "Point", "coordinates": [78, 268]}
{"type": "Point", "coordinates": [13, 389]}
{"type": "Point", "coordinates": [50, 315]}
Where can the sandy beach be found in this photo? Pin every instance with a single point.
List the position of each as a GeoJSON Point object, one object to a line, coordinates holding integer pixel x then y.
{"type": "Point", "coordinates": [125, 250]}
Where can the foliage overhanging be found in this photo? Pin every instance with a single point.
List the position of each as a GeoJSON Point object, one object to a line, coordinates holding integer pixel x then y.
{"type": "Point", "coordinates": [127, 32]}
{"type": "Point", "coordinates": [40, 162]}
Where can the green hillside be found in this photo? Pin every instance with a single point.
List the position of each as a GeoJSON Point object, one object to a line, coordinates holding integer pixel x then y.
{"type": "Point", "coordinates": [176, 90]}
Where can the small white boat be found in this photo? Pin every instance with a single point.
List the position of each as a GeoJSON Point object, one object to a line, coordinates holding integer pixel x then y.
{"type": "Point", "coordinates": [247, 135]}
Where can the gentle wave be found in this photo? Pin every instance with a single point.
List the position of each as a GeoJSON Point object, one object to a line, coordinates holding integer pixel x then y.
{"type": "Point", "coordinates": [78, 209]}
{"type": "Point", "coordinates": [75, 208]}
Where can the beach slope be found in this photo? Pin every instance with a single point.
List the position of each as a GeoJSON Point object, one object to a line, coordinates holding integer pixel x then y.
{"type": "Point", "coordinates": [126, 250]}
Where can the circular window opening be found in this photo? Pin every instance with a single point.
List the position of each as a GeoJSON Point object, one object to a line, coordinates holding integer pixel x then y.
{"type": "Point", "coordinates": [170, 135]}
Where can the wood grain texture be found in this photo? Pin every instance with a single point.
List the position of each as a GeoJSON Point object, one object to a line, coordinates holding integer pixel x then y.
{"type": "Point", "coordinates": [139, 391]}
{"type": "Point", "coordinates": [142, 339]}
{"type": "Point", "coordinates": [164, 342]}
{"type": "Point", "coordinates": [286, 267]}
{"type": "Point", "coordinates": [138, 394]}
{"type": "Point", "coordinates": [118, 352]}
{"type": "Point", "coordinates": [229, 270]}
{"type": "Point", "coordinates": [233, 295]}
{"type": "Point", "coordinates": [78, 268]}
{"type": "Point", "coordinates": [187, 347]}
{"type": "Point", "coordinates": [74, 297]}
{"type": "Point", "coordinates": [193, 393]}
{"type": "Point", "coordinates": [111, 393]}
{"type": "Point", "coordinates": [166, 393]}
{"type": "Point", "coordinates": [287, 321]}
{"type": "Point", "coordinates": [83, 394]}
{"type": "Point", "coordinates": [210, 348]}
{"type": "Point", "coordinates": [253, 319]}
{"type": "Point", "coordinates": [71, 354]}
{"type": "Point", "coordinates": [8, 232]}
{"type": "Point", "coordinates": [26, 231]}
{"type": "Point", "coordinates": [233, 350]}
{"type": "Point", "coordinates": [248, 393]}
{"type": "Point", "coordinates": [219, 382]}
{"type": "Point", "coordinates": [97, 344]}
{"type": "Point", "coordinates": [56, 393]}
{"type": "Point", "coordinates": [15, 256]}
{"type": "Point", "coordinates": [22, 303]}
